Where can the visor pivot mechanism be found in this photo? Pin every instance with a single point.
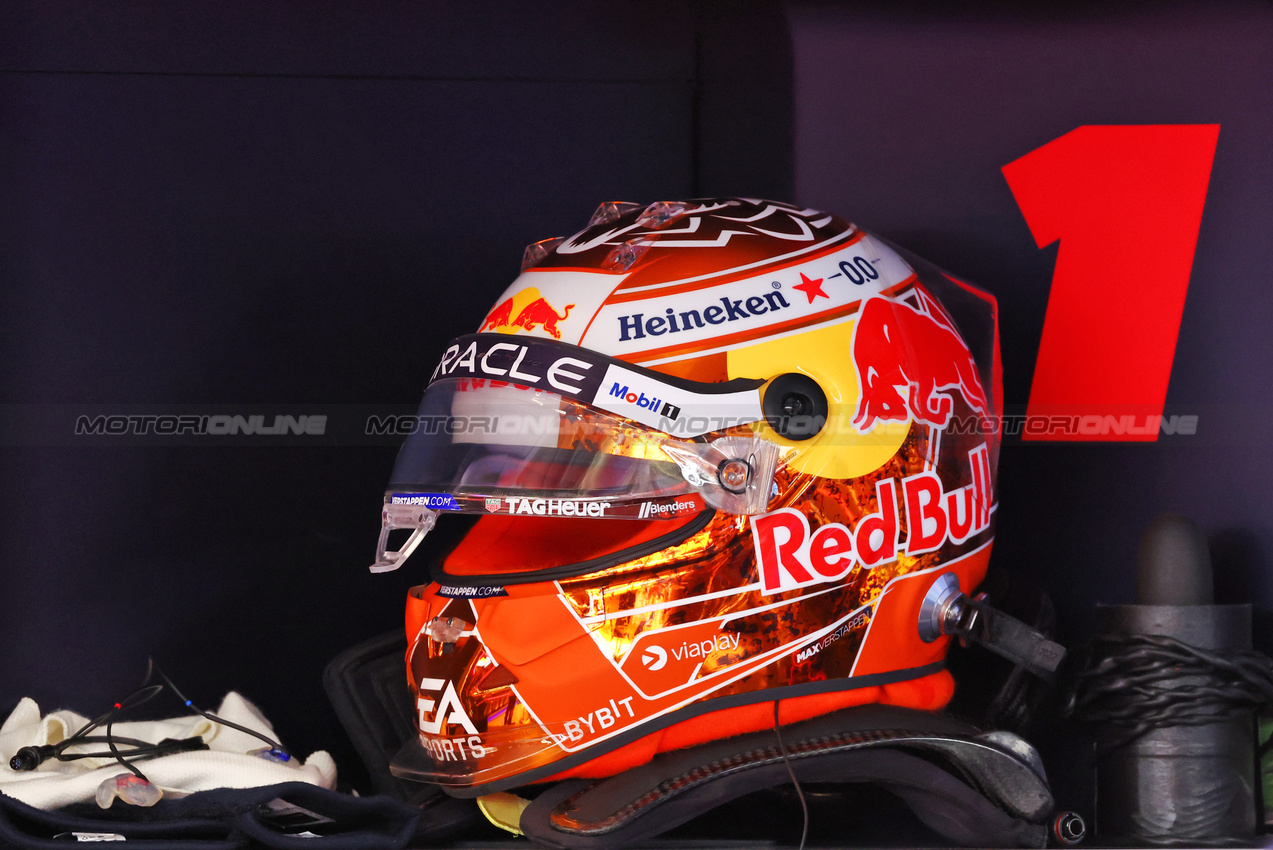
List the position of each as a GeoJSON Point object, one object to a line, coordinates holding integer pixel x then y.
{"type": "Point", "coordinates": [734, 474]}
{"type": "Point", "coordinates": [947, 610]}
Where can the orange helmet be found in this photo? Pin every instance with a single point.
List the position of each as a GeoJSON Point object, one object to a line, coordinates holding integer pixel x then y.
{"type": "Point", "coordinates": [720, 453]}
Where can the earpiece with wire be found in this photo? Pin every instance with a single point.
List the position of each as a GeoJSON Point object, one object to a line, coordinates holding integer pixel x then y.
{"type": "Point", "coordinates": [134, 787]}
{"type": "Point", "coordinates": [29, 758]}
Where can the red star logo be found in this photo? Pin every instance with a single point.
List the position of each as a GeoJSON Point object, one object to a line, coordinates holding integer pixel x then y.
{"type": "Point", "coordinates": [812, 288]}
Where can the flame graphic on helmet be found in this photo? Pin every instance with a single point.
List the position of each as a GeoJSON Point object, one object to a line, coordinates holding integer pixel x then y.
{"type": "Point", "coordinates": [527, 310]}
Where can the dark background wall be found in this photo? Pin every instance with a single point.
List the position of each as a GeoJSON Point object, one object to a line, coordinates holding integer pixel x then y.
{"type": "Point", "coordinates": [295, 205]}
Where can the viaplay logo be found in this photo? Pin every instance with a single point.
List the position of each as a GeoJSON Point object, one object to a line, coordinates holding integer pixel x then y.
{"type": "Point", "coordinates": [654, 657]}
{"type": "Point", "coordinates": [648, 402]}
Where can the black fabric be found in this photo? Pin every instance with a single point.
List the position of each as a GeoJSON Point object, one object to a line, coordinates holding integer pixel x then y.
{"type": "Point", "coordinates": [932, 762]}
{"type": "Point", "coordinates": [220, 820]}
{"type": "Point", "coordinates": [364, 823]}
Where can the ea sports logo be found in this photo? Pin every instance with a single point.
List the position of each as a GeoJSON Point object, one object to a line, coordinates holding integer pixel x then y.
{"type": "Point", "coordinates": [448, 708]}
{"type": "Point", "coordinates": [654, 657]}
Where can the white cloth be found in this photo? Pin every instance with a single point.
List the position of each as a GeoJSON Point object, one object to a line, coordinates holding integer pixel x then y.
{"type": "Point", "coordinates": [226, 764]}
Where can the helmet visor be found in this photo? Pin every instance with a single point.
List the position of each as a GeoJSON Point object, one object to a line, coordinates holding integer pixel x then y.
{"type": "Point", "coordinates": [487, 446]}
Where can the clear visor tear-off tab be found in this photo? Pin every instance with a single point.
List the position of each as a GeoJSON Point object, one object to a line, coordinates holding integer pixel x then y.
{"type": "Point", "coordinates": [419, 520]}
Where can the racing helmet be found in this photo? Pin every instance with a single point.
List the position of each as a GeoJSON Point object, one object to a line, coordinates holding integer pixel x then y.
{"type": "Point", "coordinates": [719, 458]}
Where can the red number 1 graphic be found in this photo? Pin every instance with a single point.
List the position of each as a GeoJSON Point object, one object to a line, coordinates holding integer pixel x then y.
{"type": "Point", "coordinates": [1126, 203]}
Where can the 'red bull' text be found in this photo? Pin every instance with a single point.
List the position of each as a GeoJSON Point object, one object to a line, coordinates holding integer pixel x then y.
{"type": "Point", "coordinates": [789, 555]}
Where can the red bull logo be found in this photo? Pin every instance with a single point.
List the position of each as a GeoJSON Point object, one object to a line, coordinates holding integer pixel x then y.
{"type": "Point", "coordinates": [790, 554]}
{"type": "Point", "coordinates": [908, 361]}
{"type": "Point", "coordinates": [526, 310]}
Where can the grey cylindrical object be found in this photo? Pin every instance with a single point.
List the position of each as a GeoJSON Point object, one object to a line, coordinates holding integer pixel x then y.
{"type": "Point", "coordinates": [1204, 626]}
{"type": "Point", "coordinates": [1173, 565]}
{"type": "Point", "coordinates": [1191, 783]}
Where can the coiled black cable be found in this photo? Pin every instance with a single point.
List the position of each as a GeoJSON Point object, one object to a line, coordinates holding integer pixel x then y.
{"type": "Point", "coordinates": [1138, 683]}
{"type": "Point", "coordinates": [29, 758]}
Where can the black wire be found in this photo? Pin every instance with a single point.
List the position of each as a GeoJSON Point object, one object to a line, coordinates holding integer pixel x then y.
{"type": "Point", "coordinates": [110, 742]}
{"type": "Point", "coordinates": [804, 805]}
{"type": "Point", "coordinates": [60, 755]}
{"type": "Point", "coordinates": [133, 700]}
{"type": "Point", "coordinates": [142, 749]}
{"type": "Point", "coordinates": [155, 668]}
{"type": "Point", "coordinates": [136, 698]}
{"type": "Point", "coordinates": [1138, 683]}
